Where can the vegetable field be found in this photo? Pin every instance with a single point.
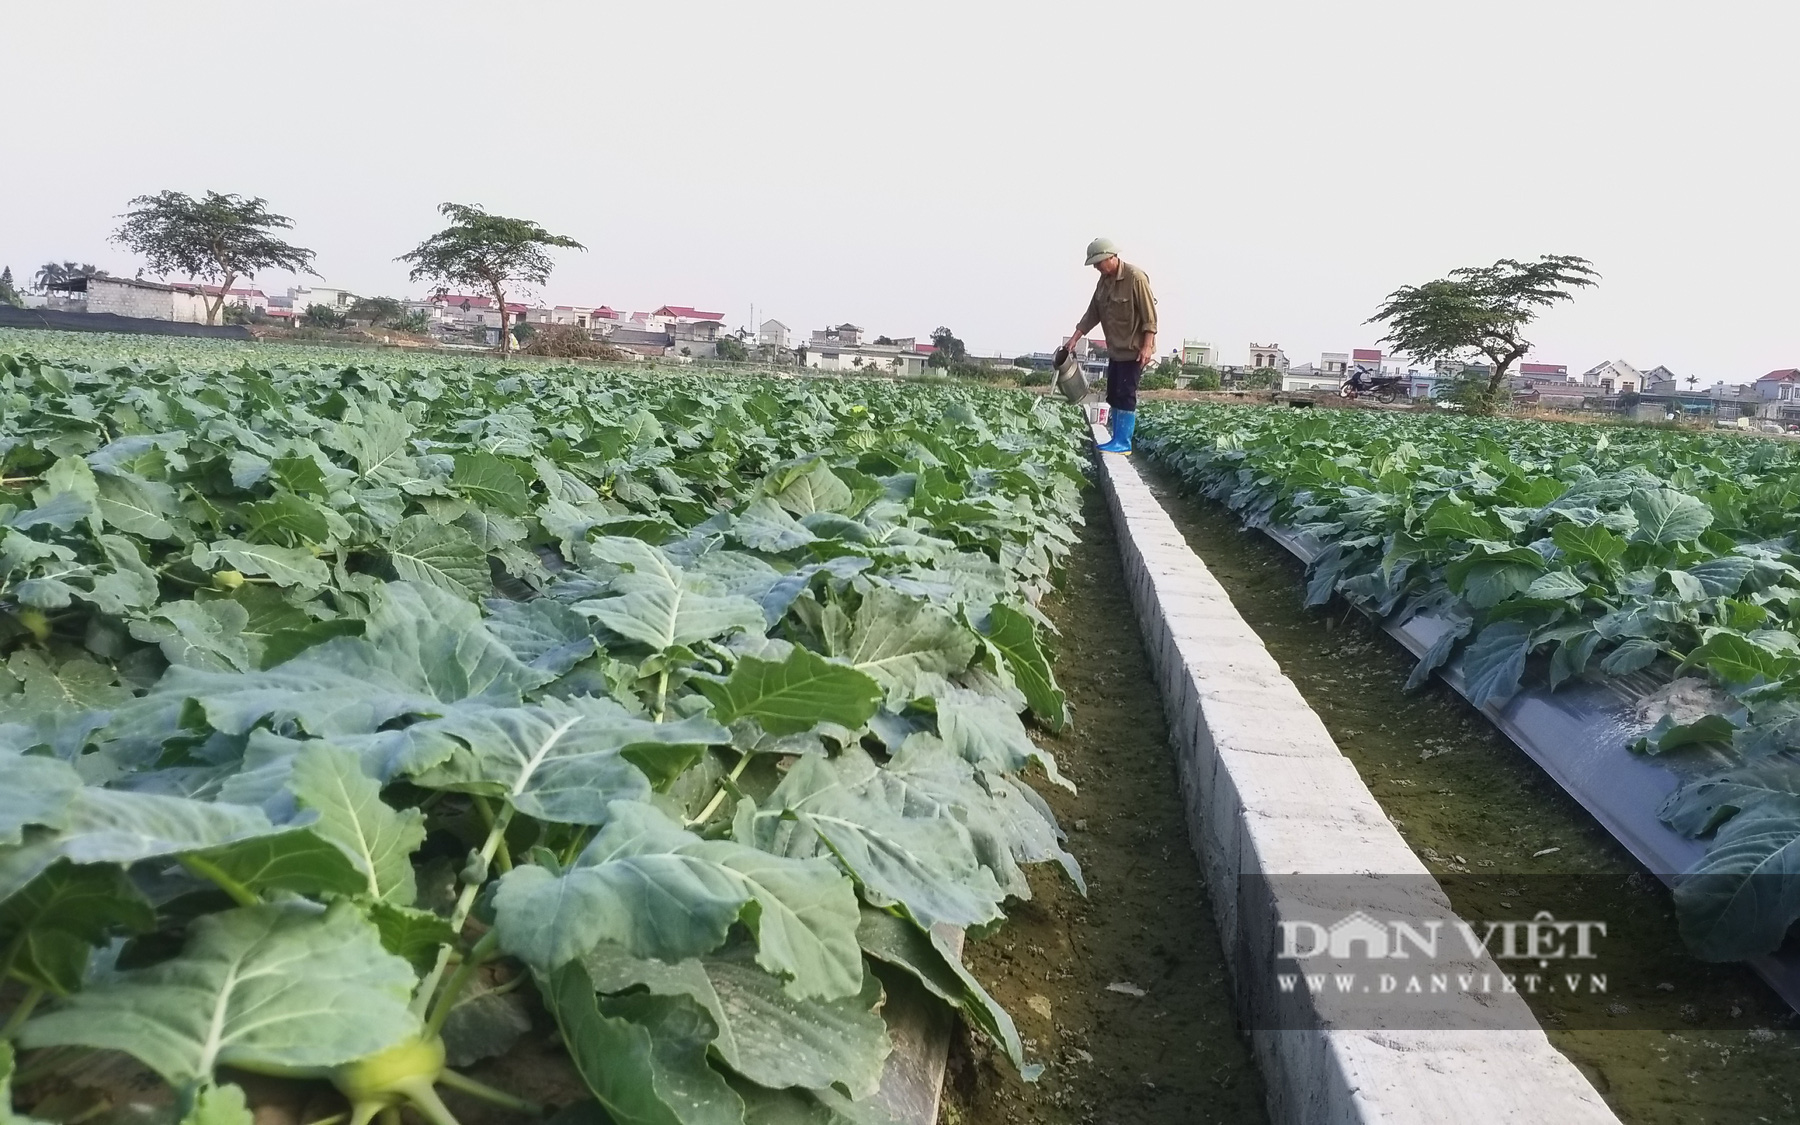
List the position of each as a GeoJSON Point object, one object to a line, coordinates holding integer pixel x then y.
{"type": "Point", "coordinates": [1556, 552]}
{"type": "Point", "coordinates": [351, 711]}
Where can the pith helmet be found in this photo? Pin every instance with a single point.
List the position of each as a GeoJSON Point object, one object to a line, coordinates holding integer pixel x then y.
{"type": "Point", "coordinates": [1101, 249]}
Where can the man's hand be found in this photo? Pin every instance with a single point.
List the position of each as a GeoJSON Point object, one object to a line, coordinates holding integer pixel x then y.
{"type": "Point", "coordinates": [1147, 350]}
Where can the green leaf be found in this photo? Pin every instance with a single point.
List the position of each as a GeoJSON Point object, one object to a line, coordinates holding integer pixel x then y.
{"type": "Point", "coordinates": [895, 941]}
{"type": "Point", "coordinates": [1738, 661]}
{"type": "Point", "coordinates": [643, 1057]}
{"type": "Point", "coordinates": [119, 826]}
{"type": "Point", "coordinates": [1015, 635]}
{"type": "Point", "coordinates": [260, 986]}
{"type": "Point", "coordinates": [1669, 735]}
{"type": "Point", "coordinates": [817, 489]}
{"type": "Point", "coordinates": [1557, 584]}
{"type": "Point", "coordinates": [1667, 516]}
{"type": "Point", "coordinates": [542, 632]}
{"type": "Point", "coordinates": [560, 760]}
{"type": "Point", "coordinates": [922, 859]}
{"type": "Point", "coordinates": [901, 641]}
{"type": "Point", "coordinates": [763, 1032]}
{"type": "Point", "coordinates": [1495, 660]}
{"type": "Point", "coordinates": [1742, 896]}
{"type": "Point", "coordinates": [34, 790]}
{"type": "Point", "coordinates": [660, 891]}
{"type": "Point", "coordinates": [285, 566]}
{"type": "Point", "coordinates": [219, 1105]}
{"type": "Point", "coordinates": [1633, 654]}
{"type": "Point", "coordinates": [765, 526]}
{"type": "Point", "coordinates": [488, 480]}
{"type": "Point", "coordinates": [1595, 543]}
{"type": "Point", "coordinates": [794, 695]}
{"type": "Point", "coordinates": [378, 839]}
{"type": "Point", "coordinates": [294, 860]}
{"type": "Point", "coordinates": [414, 934]}
{"type": "Point", "coordinates": [987, 733]}
{"type": "Point", "coordinates": [52, 925]}
{"type": "Point", "coordinates": [137, 506]}
{"type": "Point", "coordinates": [1459, 520]}
{"type": "Point", "coordinates": [1701, 806]}
{"type": "Point", "coordinates": [436, 554]}
{"type": "Point", "coordinates": [661, 605]}
{"type": "Point", "coordinates": [1572, 656]}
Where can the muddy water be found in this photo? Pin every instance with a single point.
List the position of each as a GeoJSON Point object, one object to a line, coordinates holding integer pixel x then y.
{"type": "Point", "coordinates": [1473, 805]}
{"type": "Point", "coordinates": [1121, 995]}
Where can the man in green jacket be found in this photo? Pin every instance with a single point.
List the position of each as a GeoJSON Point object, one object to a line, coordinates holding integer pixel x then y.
{"type": "Point", "coordinates": [1125, 309]}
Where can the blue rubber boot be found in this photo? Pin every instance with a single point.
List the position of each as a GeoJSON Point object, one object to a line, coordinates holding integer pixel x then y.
{"type": "Point", "coordinates": [1123, 422]}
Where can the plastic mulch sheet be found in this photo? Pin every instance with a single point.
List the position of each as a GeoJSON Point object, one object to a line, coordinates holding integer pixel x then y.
{"type": "Point", "coordinates": [1581, 736]}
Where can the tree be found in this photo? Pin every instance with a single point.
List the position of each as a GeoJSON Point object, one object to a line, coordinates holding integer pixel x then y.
{"type": "Point", "coordinates": [1201, 377]}
{"type": "Point", "coordinates": [490, 251]}
{"type": "Point", "coordinates": [221, 239]}
{"type": "Point", "coordinates": [322, 316]}
{"type": "Point", "coordinates": [377, 310]}
{"type": "Point", "coordinates": [53, 273]}
{"type": "Point", "coordinates": [9, 294]}
{"type": "Point", "coordinates": [1480, 310]}
{"type": "Point", "coordinates": [950, 350]}
{"type": "Point", "coordinates": [1691, 380]}
{"type": "Point", "coordinates": [732, 349]}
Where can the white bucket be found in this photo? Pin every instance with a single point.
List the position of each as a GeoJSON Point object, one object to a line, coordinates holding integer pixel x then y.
{"type": "Point", "coordinates": [1098, 413]}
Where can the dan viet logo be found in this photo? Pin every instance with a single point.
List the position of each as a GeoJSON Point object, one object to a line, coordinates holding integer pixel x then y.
{"type": "Point", "coordinates": [1360, 937]}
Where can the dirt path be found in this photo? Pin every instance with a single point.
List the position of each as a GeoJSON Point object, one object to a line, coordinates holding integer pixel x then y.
{"type": "Point", "coordinates": [1113, 1057]}
{"type": "Point", "coordinates": [1476, 809]}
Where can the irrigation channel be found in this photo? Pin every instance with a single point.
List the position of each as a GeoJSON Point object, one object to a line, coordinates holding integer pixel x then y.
{"type": "Point", "coordinates": [1713, 1043]}
{"type": "Point", "coordinates": [1122, 995]}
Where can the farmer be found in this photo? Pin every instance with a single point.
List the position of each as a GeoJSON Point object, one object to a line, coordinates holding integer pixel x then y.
{"type": "Point", "coordinates": [1125, 309]}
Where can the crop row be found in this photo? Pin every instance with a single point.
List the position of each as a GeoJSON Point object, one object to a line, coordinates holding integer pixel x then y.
{"type": "Point", "coordinates": [349, 705]}
{"type": "Point", "coordinates": [1559, 551]}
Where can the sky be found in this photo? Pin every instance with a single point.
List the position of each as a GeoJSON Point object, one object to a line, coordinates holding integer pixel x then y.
{"type": "Point", "coordinates": [1275, 166]}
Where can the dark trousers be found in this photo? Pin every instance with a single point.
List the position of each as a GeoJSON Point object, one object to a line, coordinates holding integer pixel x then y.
{"type": "Point", "coordinates": [1122, 377]}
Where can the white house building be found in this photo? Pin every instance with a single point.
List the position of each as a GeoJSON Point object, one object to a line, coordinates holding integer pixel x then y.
{"type": "Point", "coordinates": [1614, 377]}
{"type": "Point", "coordinates": [772, 334]}
{"type": "Point", "coordinates": [125, 296]}
{"type": "Point", "coordinates": [1268, 356]}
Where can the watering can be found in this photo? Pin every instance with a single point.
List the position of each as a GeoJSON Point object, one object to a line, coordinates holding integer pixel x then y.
{"type": "Point", "coordinates": [1071, 380]}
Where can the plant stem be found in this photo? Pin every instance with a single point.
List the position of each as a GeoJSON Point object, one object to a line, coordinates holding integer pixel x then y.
{"type": "Point", "coordinates": [464, 903]}
{"type": "Point", "coordinates": [459, 980]}
{"type": "Point", "coordinates": [662, 693]}
{"type": "Point", "coordinates": [718, 798]}
{"type": "Point", "coordinates": [21, 1013]}
{"type": "Point", "coordinates": [487, 1093]}
{"type": "Point", "coordinates": [576, 843]}
{"type": "Point", "coordinates": [207, 869]}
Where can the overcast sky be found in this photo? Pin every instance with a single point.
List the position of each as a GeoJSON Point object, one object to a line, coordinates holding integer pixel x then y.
{"type": "Point", "coordinates": [1276, 167]}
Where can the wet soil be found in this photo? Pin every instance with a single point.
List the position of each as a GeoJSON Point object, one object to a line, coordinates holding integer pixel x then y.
{"type": "Point", "coordinates": [1121, 995]}
{"type": "Point", "coordinates": [1485, 818]}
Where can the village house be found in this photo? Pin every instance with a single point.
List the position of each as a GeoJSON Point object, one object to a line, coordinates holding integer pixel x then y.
{"type": "Point", "coordinates": [125, 296]}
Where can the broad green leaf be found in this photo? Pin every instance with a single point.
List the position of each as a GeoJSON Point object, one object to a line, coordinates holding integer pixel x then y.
{"type": "Point", "coordinates": [441, 555]}
{"type": "Point", "coordinates": [51, 926]}
{"type": "Point", "coordinates": [380, 840]}
{"type": "Point", "coordinates": [36, 791]}
{"type": "Point", "coordinates": [1738, 661]}
{"type": "Point", "coordinates": [987, 733]}
{"type": "Point", "coordinates": [294, 860]}
{"type": "Point", "coordinates": [137, 507]}
{"type": "Point", "coordinates": [423, 652]}
{"type": "Point", "coordinates": [1015, 635]}
{"type": "Point", "coordinates": [901, 641]}
{"type": "Point", "coordinates": [286, 516]}
{"type": "Point", "coordinates": [763, 1032]}
{"type": "Point", "coordinates": [765, 526]}
{"type": "Point", "coordinates": [923, 860]}
{"type": "Point", "coordinates": [1633, 654]}
{"type": "Point", "coordinates": [414, 934]}
{"type": "Point", "coordinates": [794, 695]}
{"type": "Point", "coordinates": [1572, 656]}
{"type": "Point", "coordinates": [660, 891]}
{"type": "Point", "coordinates": [219, 1105]}
{"type": "Point", "coordinates": [490, 481]}
{"type": "Point", "coordinates": [1740, 899]}
{"type": "Point", "coordinates": [285, 566]}
{"type": "Point", "coordinates": [1701, 806]}
{"type": "Point", "coordinates": [661, 605]}
{"type": "Point", "coordinates": [543, 633]}
{"type": "Point", "coordinates": [1495, 660]}
{"type": "Point", "coordinates": [895, 941]}
{"type": "Point", "coordinates": [561, 760]}
{"type": "Point", "coordinates": [119, 826]}
{"type": "Point", "coordinates": [1461, 521]}
{"type": "Point", "coordinates": [260, 986]}
{"type": "Point", "coordinates": [816, 489]}
{"type": "Point", "coordinates": [1557, 584]}
{"type": "Point", "coordinates": [1594, 543]}
{"type": "Point", "coordinates": [643, 1057]}
{"type": "Point", "coordinates": [1667, 516]}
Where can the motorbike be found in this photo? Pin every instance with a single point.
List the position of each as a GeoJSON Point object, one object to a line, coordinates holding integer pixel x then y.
{"type": "Point", "coordinates": [1381, 388]}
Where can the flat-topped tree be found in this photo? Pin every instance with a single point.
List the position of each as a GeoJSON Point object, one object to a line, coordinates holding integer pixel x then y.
{"type": "Point", "coordinates": [220, 239]}
{"type": "Point", "coordinates": [489, 251]}
{"type": "Point", "coordinates": [1480, 310]}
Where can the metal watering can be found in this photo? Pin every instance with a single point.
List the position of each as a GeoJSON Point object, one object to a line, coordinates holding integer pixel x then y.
{"type": "Point", "coordinates": [1071, 380]}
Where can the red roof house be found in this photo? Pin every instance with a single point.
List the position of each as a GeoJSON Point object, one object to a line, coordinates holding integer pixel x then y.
{"type": "Point", "coordinates": [685, 312]}
{"type": "Point", "coordinates": [1365, 355]}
